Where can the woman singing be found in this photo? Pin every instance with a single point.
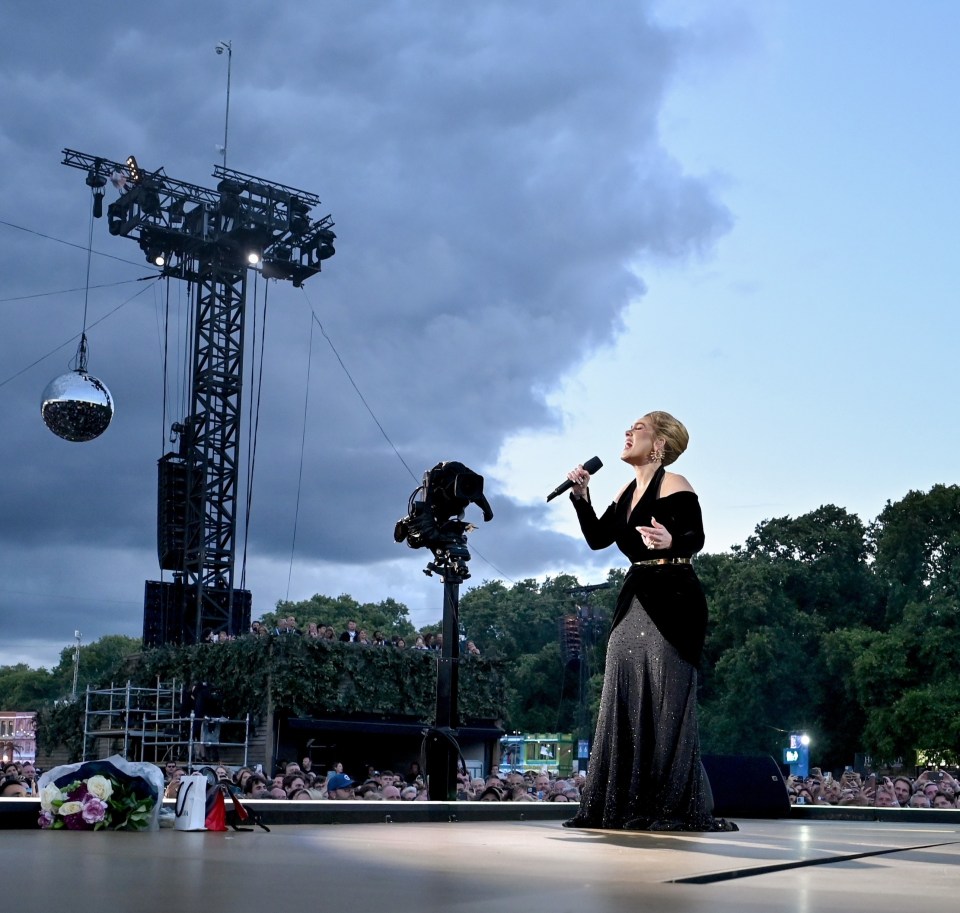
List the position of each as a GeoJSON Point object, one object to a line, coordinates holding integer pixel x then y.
{"type": "Point", "coordinates": [644, 771]}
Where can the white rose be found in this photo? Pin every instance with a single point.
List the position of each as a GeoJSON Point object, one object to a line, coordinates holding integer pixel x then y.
{"type": "Point", "coordinates": [48, 795]}
{"type": "Point", "coordinates": [100, 787]}
{"type": "Point", "coordinates": [70, 808]}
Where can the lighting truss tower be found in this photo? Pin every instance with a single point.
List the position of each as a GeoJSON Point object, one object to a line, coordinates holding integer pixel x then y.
{"type": "Point", "coordinates": [210, 239]}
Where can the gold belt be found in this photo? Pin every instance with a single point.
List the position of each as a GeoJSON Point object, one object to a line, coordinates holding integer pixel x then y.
{"type": "Point", "coordinates": [664, 561]}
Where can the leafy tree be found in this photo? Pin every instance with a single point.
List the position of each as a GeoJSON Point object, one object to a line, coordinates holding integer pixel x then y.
{"type": "Point", "coordinates": [773, 604]}
{"type": "Point", "coordinates": [23, 688]}
{"type": "Point", "coordinates": [917, 546]}
{"type": "Point", "coordinates": [100, 664]}
{"type": "Point", "coordinates": [823, 556]}
{"type": "Point", "coordinates": [818, 622]}
{"type": "Point", "coordinates": [521, 626]}
{"type": "Point", "coordinates": [388, 616]}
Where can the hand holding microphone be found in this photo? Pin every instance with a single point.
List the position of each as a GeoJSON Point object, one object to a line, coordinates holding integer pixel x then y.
{"type": "Point", "coordinates": [578, 479]}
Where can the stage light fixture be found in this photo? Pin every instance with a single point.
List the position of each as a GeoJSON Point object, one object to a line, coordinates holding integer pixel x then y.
{"type": "Point", "coordinates": [97, 183]}
{"type": "Point", "coordinates": [297, 216]}
{"type": "Point", "coordinates": [153, 252]}
{"type": "Point", "coordinates": [254, 258]}
{"type": "Point", "coordinates": [134, 169]}
{"type": "Point", "coordinates": [150, 201]}
{"type": "Point", "coordinates": [115, 218]}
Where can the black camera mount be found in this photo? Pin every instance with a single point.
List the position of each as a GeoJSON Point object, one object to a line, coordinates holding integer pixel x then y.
{"type": "Point", "coordinates": [435, 521]}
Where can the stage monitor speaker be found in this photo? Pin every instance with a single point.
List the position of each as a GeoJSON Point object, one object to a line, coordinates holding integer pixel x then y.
{"type": "Point", "coordinates": [746, 786]}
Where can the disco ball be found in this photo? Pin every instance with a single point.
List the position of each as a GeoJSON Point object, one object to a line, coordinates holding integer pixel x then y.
{"type": "Point", "coordinates": [76, 406]}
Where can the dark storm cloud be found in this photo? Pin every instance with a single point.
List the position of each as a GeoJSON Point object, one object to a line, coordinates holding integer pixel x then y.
{"type": "Point", "coordinates": [494, 171]}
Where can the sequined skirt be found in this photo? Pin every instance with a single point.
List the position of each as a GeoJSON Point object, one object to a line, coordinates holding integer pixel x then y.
{"type": "Point", "coordinates": [644, 771]}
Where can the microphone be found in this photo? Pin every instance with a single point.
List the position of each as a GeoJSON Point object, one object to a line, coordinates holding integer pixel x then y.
{"type": "Point", "coordinates": [592, 465]}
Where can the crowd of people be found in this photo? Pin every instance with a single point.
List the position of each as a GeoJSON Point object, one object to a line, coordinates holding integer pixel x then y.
{"type": "Point", "coordinates": [299, 781]}
{"type": "Point", "coordinates": [352, 634]}
{"type": "Point", "coordinates": [930, 789]}
{"type": "Point", "coordinates": [19, 780]}
{"type": "Point", "coordinates": [938, 789]}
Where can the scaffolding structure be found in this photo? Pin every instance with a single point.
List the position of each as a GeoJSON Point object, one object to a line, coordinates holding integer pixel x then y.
{"type": "Point", "coordinates": [211, 239]}
{"type": "Point", "coordinates": [146, 724]}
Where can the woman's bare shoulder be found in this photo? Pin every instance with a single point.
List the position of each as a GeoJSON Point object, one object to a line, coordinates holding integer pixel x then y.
{"type": "Point", "coordinates": [672, 483]}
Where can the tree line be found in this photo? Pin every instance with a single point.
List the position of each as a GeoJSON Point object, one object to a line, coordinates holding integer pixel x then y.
{"type": "Point", "coordinates": [847, 631]}
{"type": "Point", "coordinates": [819, 623]}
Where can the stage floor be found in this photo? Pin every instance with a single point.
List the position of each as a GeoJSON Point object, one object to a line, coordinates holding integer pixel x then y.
{"type": "Point", "coordinates": [489, 866]}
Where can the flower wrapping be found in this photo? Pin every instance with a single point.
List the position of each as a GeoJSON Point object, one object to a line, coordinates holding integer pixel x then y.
{"type": "Point", "coordinates": [112, 794]}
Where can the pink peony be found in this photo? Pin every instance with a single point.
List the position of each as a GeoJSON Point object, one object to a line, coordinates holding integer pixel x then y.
{"type": "Point", "coordinates": [94, 809]}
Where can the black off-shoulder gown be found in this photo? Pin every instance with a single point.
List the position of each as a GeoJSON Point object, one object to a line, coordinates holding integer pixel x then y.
{"type": "Point", "coordinates": [644, 771]}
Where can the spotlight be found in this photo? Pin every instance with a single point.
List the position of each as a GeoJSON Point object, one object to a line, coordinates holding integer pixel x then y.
{"type": "Point", "coordinates": [154, 253]}
{"type": "Point", "coordinates": [135, 173]}
{"type": "Point", "coordinates": [253, 258]}
{"type": "Point", "coordinates": [324, 246]}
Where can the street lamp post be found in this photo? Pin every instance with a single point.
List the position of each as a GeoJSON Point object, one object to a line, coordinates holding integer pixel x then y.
{"type": "Point", "coordinates": [220, 48]}
{"type": "Point", "coordinates": [76, 661]}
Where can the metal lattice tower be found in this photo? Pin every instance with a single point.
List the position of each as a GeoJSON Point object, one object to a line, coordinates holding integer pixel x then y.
{"type": "Point", "coordinates": [210, 239]}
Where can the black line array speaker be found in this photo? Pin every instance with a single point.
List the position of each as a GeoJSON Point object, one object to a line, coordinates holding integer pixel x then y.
{"type": "Point", "coordinates": [746, 786]}
{"type": "Point", "coordinates": [173, 482]}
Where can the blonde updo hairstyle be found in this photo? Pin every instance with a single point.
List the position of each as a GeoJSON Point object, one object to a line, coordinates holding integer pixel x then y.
{"type": "Point", "coordinates": [673, 432]}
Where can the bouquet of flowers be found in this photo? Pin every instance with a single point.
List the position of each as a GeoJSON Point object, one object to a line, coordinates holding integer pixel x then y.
{"type": "Point", "coordinates": [101, 795]}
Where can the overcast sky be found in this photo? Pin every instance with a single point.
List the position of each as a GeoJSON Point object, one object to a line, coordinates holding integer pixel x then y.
{"type": "Point", "coordinates": [551, 218]}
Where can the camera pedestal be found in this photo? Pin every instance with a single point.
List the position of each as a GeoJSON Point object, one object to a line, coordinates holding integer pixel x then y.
{"type": "Point", "coordinates": [441, 750]}
{"type": "Point", "coordinates": [436, 522]}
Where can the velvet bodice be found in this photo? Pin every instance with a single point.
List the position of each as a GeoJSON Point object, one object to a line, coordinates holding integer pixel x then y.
{"type": "Point", "coordinates": [670, 593]}
{"type": "Point", "coordinates": [678, 512]}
